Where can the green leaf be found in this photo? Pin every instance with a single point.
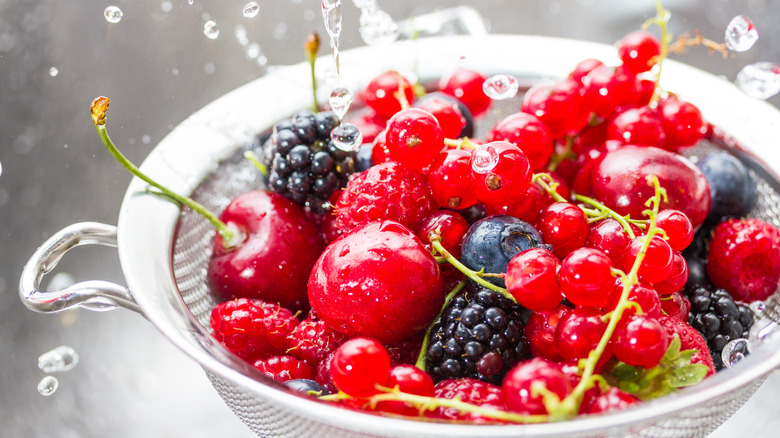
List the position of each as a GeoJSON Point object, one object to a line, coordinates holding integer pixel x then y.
{"type": "Point", "coordinates": [687, 375]}
{"type": "Point", "coordinates": [687, 355]}
{"type": "Point", "coordinates": [674, 348]}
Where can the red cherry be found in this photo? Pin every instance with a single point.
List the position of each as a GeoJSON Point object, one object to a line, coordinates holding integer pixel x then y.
{"type": "Point", "coordinates": [532, 279]}
{"type": "Point", "coordinates": [677, 277]}
{"type": "Point", "coordinates": [638, 126]}
{"type": "Point", "coordinates": [580, 332]}
{"type": "Point", "coordinates": [564, 226]}
{"type": "Point", "coordinates": [517, 386]}
{"type": "Point", "coordinates": [501, 171]}
{"type": "Point", "coordinates": [449, 225]}
{"type": "Point", "coordinates": [677, 226]}
{"type": "Point", "coordinates": [609, 236]}
{"type": "Point", "coordinates": [586, 277]}
{"type": "Point", "coordinates": [529, 134]}
{"type": "Point", "coordinates": [359, 365]}
{"type": "Point", "coordinates": [414, 138]}
{"type": "Point", "coordinates": [559, 105]}
{"type": "Point", "coordinates": [450, 179]}
{"type": "Point", "coordinates": [657, 263]}
{"type": "Point", "coordinates": [639, 51]}
{"type": "Point", "coordinates": [276, 234]}
{"type": "Point", "coordinates": [540, 332]}
{"type": "Point", "coordinates": [466, 85]}
{"type": "Point", "coordinates": [380, 93]}
{"type": "Point", "coordinates": [640, 341]}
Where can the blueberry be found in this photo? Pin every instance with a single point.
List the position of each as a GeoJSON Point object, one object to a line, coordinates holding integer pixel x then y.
{"type": "Point", "coordinates": [491, 242]}
{"type": "Point", "coordinates": [306, 386]}
{"type": "Point", "coordinates": [468, 128]}
{"type": "Point", "coordinates": [364, 157]}
{"type": "Point", "coordinates": [732, 188]}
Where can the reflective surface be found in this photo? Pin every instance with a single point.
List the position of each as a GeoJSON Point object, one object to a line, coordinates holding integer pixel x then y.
{"type": "Point", "coordinates": [158, 67]}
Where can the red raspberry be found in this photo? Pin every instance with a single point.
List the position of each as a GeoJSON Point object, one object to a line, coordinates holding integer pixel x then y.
{"type": "Point", "coordinates": [312, 341]}
{"type": "Point", "coordinates": [385, 191]}
{"type": "Point", "coordinates": [284, 368]}
{"type": "Point", "coordinates": [252, 329]}
{"type": "Point", "coordinates": [690, 339]}
{"type": "Point", "coordinates": [611, 400]}
{"type": "Point", "coordinates": [467, 390]}
{"type": "Point", "coordinates": [406, 351]}
{"type": "Point", "coordinates": [324, 376]}
{"type": "Point", "coordinates": [744, 258]}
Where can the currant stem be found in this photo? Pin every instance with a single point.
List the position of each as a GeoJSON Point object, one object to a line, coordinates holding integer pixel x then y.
{"type": "Point", "coordinates": [556, 159]}
{"type": "Point", "coordinates": [604, 210]}
{"type": "Point", "coordinates": [99, 109]}
{"type": "Point", "coordinates": [249, 155]}
{"type": "Point", "coordinates": [421, 362]}
{"type": "Point", "coordinates": [550, 187]}
{"type": "Point", "coordinates": [465, 142]}
{"type": "Point", "coordinates": [311, 46]}
{"type": "Point", "coordinates": [470, 273]}
{"type": "Point", "coordinates": [661, 18]}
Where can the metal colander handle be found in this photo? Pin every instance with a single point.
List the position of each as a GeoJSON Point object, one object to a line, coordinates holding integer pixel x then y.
{"type": "Point", "coordinates": [93, 295]}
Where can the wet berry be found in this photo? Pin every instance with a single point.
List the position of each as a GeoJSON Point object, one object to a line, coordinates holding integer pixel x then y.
{"type": "Point", "coordinates": [586, 277]}
{"type": "Point", "coordinates": [359, 365]}
{"type": "Point", "coordinates": [501, 173]}
{"type": "Point", "coordinates": [414, 137]}
{"type": "Point", "coordinates": [450, 228]}
{"type": "Point", "coordinates": [639, 51]}
{"type": "Point", "coordinates": [381, 94]}
{"type": "Point", "coordinates": [532, 278]}
{"type": "Point", "coordinates": [517, 387]}
{"type": "Point", "coordinates": [454, 117]}
{"type": "Point", "coordinates": [466, 86]}
{"type": "Point", "coordinates": [284, 368]}
{"type": "Point", "coordinates": [733, 189]}
{"type": "Point", "coordinates": [450, 179]}
{"type": "Point", "coordinates": [640, 341]}
{"type": "Point", "coordinates": [529, 134]}
{"type": "Point", "coordinates": [564, 226]}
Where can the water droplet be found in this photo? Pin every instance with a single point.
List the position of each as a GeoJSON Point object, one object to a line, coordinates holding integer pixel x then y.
{"type": "Point", "coordinates": [53, 71]}
{"type": "Point", "coordinates": [209, 68]}
{"type": "Point", "coordinates": [340, 100]}
{"type": "Point", "coordinates": [484, 159]}
{"type": "Point", "coordinates": [145, 139]}
{"type": "Point", "coordinates": [251, 9]}
{"type": "Point", "coordinates": [210, 30]}
{"type": "Point", "coordinates": [1, 168]}
{"type": "Point", "coordinates": [113, 14]}
{"type": "Point", "coordinates": [166, 6]}
{"type": "Point", "coordinates": [741, 34]}
{"type": "Point", "coordinates": [347, 137]}
{"type": "Point", "coordinates": [331, 13]}
{"type": "Point", "coordinates": [760, 80]}
{"type": "Point", "coordinates": [365, 5]}
{"type": "Point", "coordinates": [500, 87]}
{"type": "Point", "coordinates": [190, 1]}
{"type": "Point", "coordinates": [378, 28]}
{"type": "Point", "coordinates": [48, 385]}
{"type": "Point", "coordinates": [734, 351]}
{"type": "Point", "coordinates": [757, 306]}
{"type": "Point", "coordinates": [62, 358]}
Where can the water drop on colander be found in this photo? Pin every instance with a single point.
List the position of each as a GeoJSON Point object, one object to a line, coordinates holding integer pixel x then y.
{"type": "Point", "coordinates": [347, 137]}
{"type": "Point", "coordinates": [378, 28]}
{"type": "Point", "coordinates": [484, 159]}
{"type": "Point", "coordinates": [210, 30]}
{"type": "Point", "coordinates": [112, 14]}
{"type": "Point", "coordinates": [500, 87]}
{"type": "Point", "coordinates": [760, 80]}
{"type": "Point", "coordinates": [741, 34]}
{"type": "Point", "coordinates": [62, 358]}
{"type": "Point", "coordinates": [48, 385]}
{"type": "Point", "coordinates": [340, 100]}
{"type": "Point", "coordinates": [734, 351]}
{"type": "Point", "coordinates": [251, 9]}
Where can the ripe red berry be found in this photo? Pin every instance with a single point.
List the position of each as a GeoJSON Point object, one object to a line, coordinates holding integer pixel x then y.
{"type": "Point", "coordinates": [532, 278]}
{"type": "Point", "coordinates": [466, 85]}
{"type": "Point", "coordinates": [313, 340]}
{"type": "Point", "coordinates": [449, 225]}
{"type": "Point", "coordinates": [501, 172]}
{"type": "Point", "coordinates": [657, 263]}
{"type": "Point", "coordinates": [379, 152]}
{"type": "Point", "coordinates": [683, 123]}
{"type": "Point", "coordinates": [583, 68]}
{"type": "Point", "coordinates": [637, 126]}
{"type": "Point", "coordinates": [410, 380]}
{"type": "Point", "coordinates": [446, 111]}
{"type": "Point", "coordinates": [527, 209]}
{"type": "Point", "coordinates": [677, 277]}
{"type": "Point", "coordinates": [608, 235]}
{"type": "Point", "coordinates": [284, 368]}
{"type": "Point", "coordinates": [640, 341]}
{"type": "Point", "coordinates": [471, 391]}
{"type": "Point", "coordinates": [586, 277]}
{"type": "Point", "coordinates": [612, 400]}
{"type": "Point", "coordinates": [639, 51]}
{"type": "Point", "coordinates": [677, 226]}
{"type": "Point", "coordinates": [450, 179]}
{"type": "Point", "coordinates": [540, 333]}
{"type": "Point", "coordinates": [676, 306]}
{"type": "Point", "coordinates": [517, 386]}
{"type": "Point", "coordinates": [381, 93]}
{"type": "Point", "coordinates": [359, 365]}
{"type": "Point", "coordinates": [607, 88]}
{"type": "Point", "coordinates": [529, 134]}
{"type": "Point", "coordinates": [564, 226]}
{"type": "Point", "coordinates": [690, 339]}
{"type": "Point", "coordinates": [414, 137]}
{"type": "Point", "coordinates": [580, 332]}
{"type": "Point", "coordinates": [645, 296]}
{"type": "Point", "coordinates": [561, 106]}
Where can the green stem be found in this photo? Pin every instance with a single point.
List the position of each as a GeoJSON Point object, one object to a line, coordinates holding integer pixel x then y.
{"type": "Point", "coordinates": [556, 159]}
{"type": "Point", "coordinates": [661, 18]}
{"type": "Point", "coordinates": [550, 187]}
{"type": "Point", "coordinates": [604, 210]}
{"type": "Point", "coordinates": [421, 363]}
{"type": "Point", "coordinates": [470, 273]}
{"type": "Point", "coordinates": [249, 155]}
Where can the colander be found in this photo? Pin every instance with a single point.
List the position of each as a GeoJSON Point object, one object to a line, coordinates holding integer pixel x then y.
{"type": "Point", "coordinates": [164, 251]}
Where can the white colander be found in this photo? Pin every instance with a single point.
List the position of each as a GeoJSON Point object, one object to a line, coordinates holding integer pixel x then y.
{"type": "Point", "coordinates": [164, 252]}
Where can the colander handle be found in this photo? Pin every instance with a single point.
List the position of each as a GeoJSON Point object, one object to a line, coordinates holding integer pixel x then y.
{"type": "Point", "coordinates": [92, 295]}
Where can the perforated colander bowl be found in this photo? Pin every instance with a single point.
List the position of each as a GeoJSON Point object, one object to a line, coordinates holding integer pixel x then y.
{"type": "Point", "coordinates": [164, 252]}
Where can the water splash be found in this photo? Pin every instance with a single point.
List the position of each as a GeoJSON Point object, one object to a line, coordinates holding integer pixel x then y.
{"type": "Point", "coordinates": [340, 100]}
{"type": "Point", "coordinates": [166, 6]}
{"type": "Point", "coordinates": [210, 30]}
{"type": "Point", "coordinates": [331, 14]}
{"type": "Point", "coordinates": [500, 87]}
{"type": "Point", "coordinates": [62, 358]}
{"type": "Point", "coordinates": [347, 137]}
{"type": "Point", "coordinates": [251, 9]}
{"type": "Point", "coordinates": [741, 34]}
{"type": "Point", "coordinates": [112, 14]}
{"type": "Point", "coordinates": [1, 168]}
{"type": "Point", "coordinates": [484, 159]}
{"type": "Point", "coordinates": [760, 80]}
{"type": "Point", "coordinates": [734, 351]}
{"type": "Point", "coordinates": [54, 71]}
{"type": "Point", "coordinates": [48, 385]}
{"type": "Point", "coordinates": [378, 29]}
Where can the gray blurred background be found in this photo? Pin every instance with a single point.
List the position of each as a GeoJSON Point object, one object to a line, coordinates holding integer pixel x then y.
{"type": "Point", "coordinates": [158, 67]}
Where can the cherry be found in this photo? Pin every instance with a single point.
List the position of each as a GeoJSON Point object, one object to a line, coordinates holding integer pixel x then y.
{"type": "Point", "coordinates": [638, 126]}
{"type": "Point", "coordinates": [564, 226]}
{"type": "Point", "coordinates": [676, 306]}
{"type": "Point", "coordinates": [529, 134]}
{"type": "Point", "coordinates": [449, 225]}
{"type": "Point", "coordinates": [657, 263]}
{"type": "Point", "coordinates": [453, 116]}
{"type": "Point", "coordinates": [375, 273]}
{"type": "Point", "coordinates": [359, 365]}
{"type": "Point", "coordinates": [683, 124]}
{"type": "Point", "coordinates": [278, 234]}
{"type": "Point", "coordinates": [540, 333]}
{"type": "Point", "coordinates": [501, 171]}
{"type": "Point", "coordinates": [532, 278]}
{"type": "Point", "coordinates": [640, 341]}
{"type": "Point", "coordinates": [381, 93]}
{"type": "Point", "coordinates": [466, 86]}
{"type": "Point", "coordinates": [645, 296]}
{"type": "Point", "coordinates": [608, 235]}
{"type": "Point", "coordinates": [518, 384]}
{"type": "Point", "coordinates": [586, 277]}
{"type": "Point", "coordinates": [677, 277]}
{"type": "Point", "coordinates": [619, 180]}
{"type": "Point", "coordinates": [677, 226]}
{"type": "Point", "coordinates": [450, 179]}
{"type": "Point", "coordinates": [414, 137]}
{"type": "Point", "coordinates": [639, 51]}
{"type": "Point", "coordinates": [580, 332]}
{"type": "Point", "coordinates": [559, 105]}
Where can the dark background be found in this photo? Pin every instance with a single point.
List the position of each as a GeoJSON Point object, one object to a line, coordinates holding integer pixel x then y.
{"type": "Point", "coordinates": [158, 67]}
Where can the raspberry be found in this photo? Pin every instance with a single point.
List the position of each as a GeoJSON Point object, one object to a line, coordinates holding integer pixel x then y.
{"type": "Point", "coordinates": [467, 390]}
{"type": "Point", "coordinates": [253, 329]}
{"type": "Point", "coordinates": [744, 259]}
{"type": "Point", "coordinates": [690, 339]}
{"type": "Point", "coordinates": [385, 191]}
{"type": "Point", "coordinates": [284, 368]}
{"type": "Point", "coordinates": [323, 376]}
{"type": "Point", "coordinates": [312, 341]}
{"type": "Point", "coordinates": [406, 351]}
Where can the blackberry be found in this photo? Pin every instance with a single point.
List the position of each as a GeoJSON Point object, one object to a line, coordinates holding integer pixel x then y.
{"type": "Point", "coordinates": [303, 163]}
{"type": "Point", "coordinates": [480, 335]}
{"type": "Point", "coordinates": [718, 318]}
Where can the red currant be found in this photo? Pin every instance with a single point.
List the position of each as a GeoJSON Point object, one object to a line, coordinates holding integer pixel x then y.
{"type": "Point", "coordinates": [609, 236]}
{"type": "Point", "coordinates": [564, 226]}
{"type": "Point", "coordinates": [532, 278]}
{"type": "Point", "coordinates": [657, 263]}
{"type": "Point", "coordinates": [529, 134]}
{"type": "Point", "coordinates": [414, 138]}
{"type": "Point", "coordinates": [466, 85]}
{"type": "Point", "coordinates": [683, 123]}
{"type": "Point", "coordinates": [359, 365]}
{"type": "Point", "coordinates": [645, 296]}
{"type": "Point", "coordinates": [586, 277]}
{"type": "Point", "coordinates": [540, 333]}
{"type": "Point", "coordinates": [638, 126]}
{"type": "Point", "coordinates": [450, 179]}
{"type": "Point", "coordinates": [559, 105]}
{"type": "Point", "coordinates": [676, 306]}
{"type": "Point", "coordinates": [607, 88]}
{"type": "Point", "coordinates": [381, 93]}
{"type": "Point", "coordinates": [580, 332]}
{"type": "Point", "coordinates": [527, 209]}
{"type": "Point", "coordinates": [676, 278]}
{"type": "Point", "coordinates": [639, 51]}
{"type": "Point", "coordinates": [446, 112]}
{"type": "Point", "coordinates": [677, 226]}
{"type": "Point", "coordinates": [583, 68]}
{"type": "Point", "coordinates": [379, 153]}
{"type": "Point", "coordinates": [410, 380]}
{"type": "Point", "coordinates": [640, 341]}
{"type": "Point", "coordinates": [449, 225]}
{"type": "Point", "coordinates": [518, 384]}
{"type": "Point", "coordinates": [502, 173]}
